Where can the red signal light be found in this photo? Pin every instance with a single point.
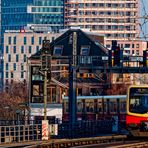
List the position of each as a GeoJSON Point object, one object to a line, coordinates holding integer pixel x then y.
{"type": "Point", "coordinates": [22, 30]}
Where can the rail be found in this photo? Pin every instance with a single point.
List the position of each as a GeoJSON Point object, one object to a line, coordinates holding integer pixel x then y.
{"type": "Point", "coordinates": [79, 142]}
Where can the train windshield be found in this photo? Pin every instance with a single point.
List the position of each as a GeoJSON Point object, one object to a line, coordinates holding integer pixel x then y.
{"type": "Point", "coordinates": [138, 100]}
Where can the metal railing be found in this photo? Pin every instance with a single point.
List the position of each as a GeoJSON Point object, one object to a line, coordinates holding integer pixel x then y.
{"type": "Point", "coordinates": [84, 129]}
{"type": "Point", "coordinates": [20, 133]}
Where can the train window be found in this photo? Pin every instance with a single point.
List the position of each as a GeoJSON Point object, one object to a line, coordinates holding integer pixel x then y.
{"type": "Point", "coordinates": [115, 107]}
{"type": "Point", "coordinates": [105, 107]}
{"type": "Point", "coordinates": [89, 106]}
{"type": "Point", "coordinates": [137, 100]}
{"type": "Point", "coordinates": [123, 107]}
{"type": "Point", "coordinates": [99, 107]}
{"type": "Point", "coordinates": [79, 107]}
{"type": "Point", "coordinates": [66, 107]}
{"type": "Point", "coordinates": [79, 91]}
{"type": "Point", "coordinates": [111, 106]}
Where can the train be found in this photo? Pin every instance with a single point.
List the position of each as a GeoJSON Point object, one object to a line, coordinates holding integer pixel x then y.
{"type": "Point", "coordinates": [131, 110]}
{"type": "Point", "coordinates": [92, 108]}
{"type": "Point", "coordinates": [137, 110]}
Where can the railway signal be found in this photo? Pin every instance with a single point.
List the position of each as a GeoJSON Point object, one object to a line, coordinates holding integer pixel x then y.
{"type": "Point", "coordinates": [115, 55]}
{"type": "Point", "coordinates": [145, 58]}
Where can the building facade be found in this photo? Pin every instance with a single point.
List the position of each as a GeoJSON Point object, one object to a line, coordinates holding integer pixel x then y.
{"type": "Point", "coordinates": [117, 19]}
{"type": "Point", "coordinates": [16, 14]}
{"type": "Point", "coordinates": [18, 47]}
{"type": "Point", "coordinates": [88, 84]}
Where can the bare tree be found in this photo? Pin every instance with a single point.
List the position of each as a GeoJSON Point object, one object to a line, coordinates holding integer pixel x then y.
{"type": "Point", "coordinates": [11, 98]}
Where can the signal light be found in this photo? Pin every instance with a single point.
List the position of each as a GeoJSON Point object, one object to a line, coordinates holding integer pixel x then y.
{"type": "Point", "coordinates": [145, 58]}
{"type": "Point", "coordinates": [115, 55]}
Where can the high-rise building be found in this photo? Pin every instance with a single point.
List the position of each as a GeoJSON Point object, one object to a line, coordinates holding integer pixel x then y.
{"type": "Point", "coordinates": [16, 14]}
{"type": "Point", "coordinates": [117, 19]}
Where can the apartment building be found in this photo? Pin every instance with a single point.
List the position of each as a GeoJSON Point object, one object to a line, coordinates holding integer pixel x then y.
{"type": "Point", "coordinates": [116, 19]}
{"type": "Point", "coordinates": [18, 46]}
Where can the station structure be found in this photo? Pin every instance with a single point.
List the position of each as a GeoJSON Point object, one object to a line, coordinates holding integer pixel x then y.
{"type": "Point", "coordinates": [74, 63]}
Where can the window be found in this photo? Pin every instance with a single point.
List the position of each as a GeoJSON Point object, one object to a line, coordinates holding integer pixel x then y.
{"type": "Point", "coordinates": [7, 49]}
{"type": "Point", "coordinates": [40, 40]}
{"type": "Point", "coordinates": [7, 66]}
{"type": "Point", "coordinates": [133, 45]}
{"type": "Point", "coordinates": [35, 70]}
{"type": "Point", "coordinates": [17, 58]}
{"type": "Point", "coordinates": [22, 49]}
{"type": "Point", "coordinates": [36, 90]}
{"type": "Point", "coordinates": [58, 50]}
{"type": "Point", "coordinates": [133, 52]}
{"type": "Point", "coordinates": [32, 40]}
{"type": "Point", "coordinates": [9, 58]}
{"type": "Point", "coordinates": [11, 74]}
{"type": "Point", "coordinates": [127, 45]}
{"type": "Point", "coordinates": [85, 50]}
{"type": "Point", "coordinates": [25, 40]}
{"type": "Point", "coordinates": [22, 74]}
{"type": "Point", "coordinates": [9, 40]}
{"type": "Point", "coordinates": [25, 58]}
{"type": "Point", "coordinates": [22, 67]}
{"type": "Point", "coordinates": [137, 45]}
{"type": "Point", "coordinates": [37, 48]}
{"type": "Point", "coordinates": [14, 49]}
{"type": "Point", "coordinates": [7, 75]}
{"type": "Point", "coordinates": [14, 66]}
{"type": "Point", "coordinates": [30, 49]}
{"type": "Point", "coordinates": [14, 40]}
{"type": "Point", "coordinates": [137, 52]}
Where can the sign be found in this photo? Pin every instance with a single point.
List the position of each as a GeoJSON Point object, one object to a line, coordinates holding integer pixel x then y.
{"type": "Point", "coordinates": [53, 128]}
{"type": "Point", "coordinates": [136, 59]}
{"type": "Point", "coordinates": [104, 58]}
{"type": "Point", "coordinates": [44, 129]}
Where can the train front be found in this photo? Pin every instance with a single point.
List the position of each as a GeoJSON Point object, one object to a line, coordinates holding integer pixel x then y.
{"type": "Point", "coordinates": [137, 111]}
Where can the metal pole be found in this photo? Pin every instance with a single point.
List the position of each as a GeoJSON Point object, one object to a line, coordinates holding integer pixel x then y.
{"type": "Point", "coordinates": [72, 95]}
{"type": "Point", "coordinates": [45, 95]}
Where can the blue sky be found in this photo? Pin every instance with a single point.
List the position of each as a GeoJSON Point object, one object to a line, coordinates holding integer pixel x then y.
{"type": "Point", "coordinates": [144, 12]}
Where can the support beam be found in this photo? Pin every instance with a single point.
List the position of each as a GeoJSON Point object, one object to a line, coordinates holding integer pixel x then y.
{"type": "Point", "coordinates": [72, 94]}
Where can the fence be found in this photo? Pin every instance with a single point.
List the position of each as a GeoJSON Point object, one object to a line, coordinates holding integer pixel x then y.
{"type": "Point", "coordinates": [84, 129]}
{"type": "Point", "coordinates": [20, 133]}
{"type": "Point", "coordinates": [33, 132]}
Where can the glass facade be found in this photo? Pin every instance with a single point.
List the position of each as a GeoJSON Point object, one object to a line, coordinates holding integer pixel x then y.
{"type": "Point", "coordinates": [49, 12]}
{"type": "Point", "coordinates": [14, 14]}
{"type": "Point", "coordinates": [17, 14]}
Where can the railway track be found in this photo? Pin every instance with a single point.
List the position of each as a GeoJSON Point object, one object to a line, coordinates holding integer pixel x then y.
{"type": "Point", "coordinates": [67, 143]}
{"type": "Point", "coordinates": [127, 144]}
{"type": "Point", "coordinates": [114, 141]}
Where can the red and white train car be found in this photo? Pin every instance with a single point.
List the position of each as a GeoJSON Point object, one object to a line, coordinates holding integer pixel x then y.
{"type": "Point", "coordinates": [93, 108]}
